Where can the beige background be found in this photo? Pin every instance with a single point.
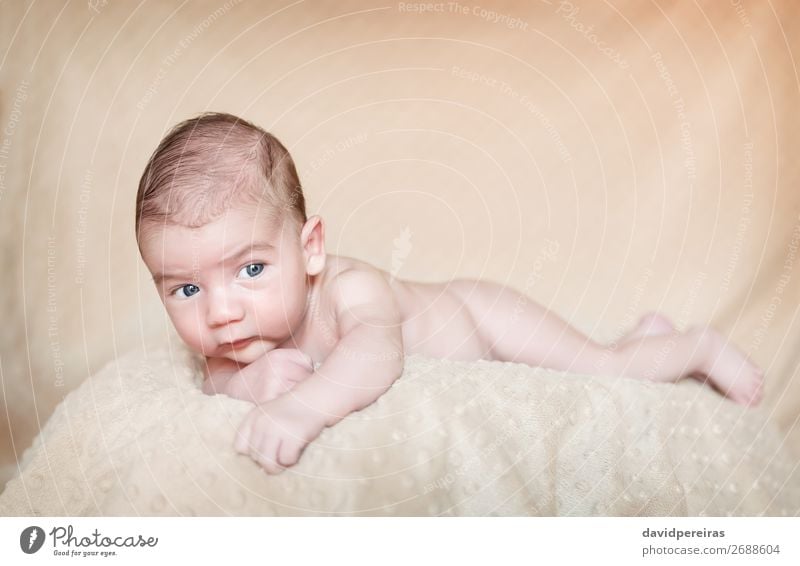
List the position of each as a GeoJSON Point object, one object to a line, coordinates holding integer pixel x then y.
{"type": "Point", "coordinates": [645, 163]}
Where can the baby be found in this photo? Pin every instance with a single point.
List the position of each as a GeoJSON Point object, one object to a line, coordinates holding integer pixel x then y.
{"type": "Point", "coordinates": [311, 337]}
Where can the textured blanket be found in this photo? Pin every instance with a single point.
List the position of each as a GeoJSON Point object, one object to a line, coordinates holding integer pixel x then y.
{"type": "Point", "coordinates": [449, 438]}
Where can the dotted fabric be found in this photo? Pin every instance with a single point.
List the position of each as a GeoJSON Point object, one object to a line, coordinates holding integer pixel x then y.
{"type": "Point", "coordinates": [485, 438]}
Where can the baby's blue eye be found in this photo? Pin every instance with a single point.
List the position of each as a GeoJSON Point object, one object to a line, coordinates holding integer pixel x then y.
{"type": "Point", "coordinates": [187, 291]}
{"type": "Point", "coordinates": [252, 270]}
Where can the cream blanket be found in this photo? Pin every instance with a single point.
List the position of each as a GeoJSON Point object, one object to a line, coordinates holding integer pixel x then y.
{"type": "Point", "coordinates": [488, 438]}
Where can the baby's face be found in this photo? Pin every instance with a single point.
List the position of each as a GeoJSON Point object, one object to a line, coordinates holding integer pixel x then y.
{"type": "Point", "coordinates": [233, 288]}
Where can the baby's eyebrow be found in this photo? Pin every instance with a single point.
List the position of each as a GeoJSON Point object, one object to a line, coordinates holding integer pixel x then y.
{"type": "Point", "coordinates": [247, 247]}
{"type": "Point", "coordinates": [159, 278]}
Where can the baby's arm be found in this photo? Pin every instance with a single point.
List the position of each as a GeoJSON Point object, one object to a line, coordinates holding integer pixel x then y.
{"type": "Point", "coordinates": [263, 380]}
{"type": "Point", "coordinates": [365, 362]}
{"type": "Point", "coordinates": [218, 373]}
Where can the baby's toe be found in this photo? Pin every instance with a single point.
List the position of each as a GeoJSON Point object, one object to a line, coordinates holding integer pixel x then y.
{"type": "Point", "coordinates": [759, 394]}
{"type": "Point", "coordinates": [745, 392]}
{"type": "Point", "coordinates": [739, 397]}
{"type": "Point", "coordinates": [755, 392]}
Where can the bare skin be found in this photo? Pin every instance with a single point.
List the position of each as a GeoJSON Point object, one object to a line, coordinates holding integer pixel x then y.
{"type": "Point", "coordinates": [311, 337]}
{"type": "Point", "coordinates": [471, 320]}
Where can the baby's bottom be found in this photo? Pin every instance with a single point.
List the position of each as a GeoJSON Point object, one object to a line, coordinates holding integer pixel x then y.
{"type": "Point", "coordinates": [514, 328]}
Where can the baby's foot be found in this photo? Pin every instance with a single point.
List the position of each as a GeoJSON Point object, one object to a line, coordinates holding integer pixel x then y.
{"type": "Point", "coordinates": [731, 372]}
{"type": "Point", "coordinates": [651, 324]}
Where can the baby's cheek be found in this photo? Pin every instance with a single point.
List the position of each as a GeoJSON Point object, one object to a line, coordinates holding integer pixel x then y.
{"type": "Point", "coordinates": [188, 330]}
{"type": "Point", "coordinates": [292, 308]}
{"type": "Point", "coordinates": [195, 343]}
{"type": "Point", "coordinates": [270, 314]}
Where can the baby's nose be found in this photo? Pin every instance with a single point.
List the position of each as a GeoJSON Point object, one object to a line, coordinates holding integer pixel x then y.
{"type": "Point", "coordinates": [223, 311]}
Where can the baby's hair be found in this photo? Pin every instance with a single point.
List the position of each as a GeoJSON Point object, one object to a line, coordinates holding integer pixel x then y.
{"type": "Point", "coordinates": [209, 163]}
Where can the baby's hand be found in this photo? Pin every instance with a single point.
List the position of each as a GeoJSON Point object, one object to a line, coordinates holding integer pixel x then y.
{"type": "Point", "coordinates": [270, 376]}
{"type": "Point", "coordinates": [274, 434]}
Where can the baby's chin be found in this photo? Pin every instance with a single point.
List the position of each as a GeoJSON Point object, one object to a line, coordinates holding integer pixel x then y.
{"type": "Point", "coordinates": [250, 353]}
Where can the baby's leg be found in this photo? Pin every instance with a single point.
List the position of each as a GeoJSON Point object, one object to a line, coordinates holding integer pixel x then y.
{"type": "Point", "coordinates": [726, 367]}
{"type": "Point", "coordinates": [515, 328]}
{"type": "Point", "coordinates": [702, 353]}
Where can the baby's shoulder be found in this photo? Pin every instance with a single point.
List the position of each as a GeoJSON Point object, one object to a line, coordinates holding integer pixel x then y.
{"type": "Point", "coordinates": [336, 264]}
{"type": "Point", "coordinates": [342, 270]}
{"type": "Point", "coordinates": [348, 280]}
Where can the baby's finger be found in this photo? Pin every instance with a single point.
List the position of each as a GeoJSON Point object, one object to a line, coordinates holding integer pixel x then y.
{"type": "Point", "coordinates": [267, 455]}
{"type": "Point", "coordinates": [290, 452]}
{"type": "Point", "coordinates": [243, 435]}
{"type": "Point", "coordinates": [242, 442]}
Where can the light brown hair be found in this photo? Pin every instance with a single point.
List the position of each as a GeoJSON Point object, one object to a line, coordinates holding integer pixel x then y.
{"type": "Point", "coordinates": [207, 164]}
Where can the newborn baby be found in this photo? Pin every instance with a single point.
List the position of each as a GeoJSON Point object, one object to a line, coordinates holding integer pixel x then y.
{"type": "Point", "coordinates": [311, 337]}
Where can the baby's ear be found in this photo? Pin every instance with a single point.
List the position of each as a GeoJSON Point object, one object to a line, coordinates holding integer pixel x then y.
{"type": "Point", "coordinates": [312, 238]}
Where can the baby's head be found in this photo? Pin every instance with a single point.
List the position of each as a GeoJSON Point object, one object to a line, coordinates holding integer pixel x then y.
{"type": "Point", "coordinates": [208, 164]}
{"type": "Point", "coordinates": [222, 227]}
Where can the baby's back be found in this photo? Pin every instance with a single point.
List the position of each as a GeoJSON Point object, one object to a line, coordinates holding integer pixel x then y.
{"type": "Point", "coordinates": [436, 317]}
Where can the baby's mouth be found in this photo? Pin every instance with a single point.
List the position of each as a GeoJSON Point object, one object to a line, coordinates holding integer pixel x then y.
{"type": "Point", "coordinates": [237, 345]}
